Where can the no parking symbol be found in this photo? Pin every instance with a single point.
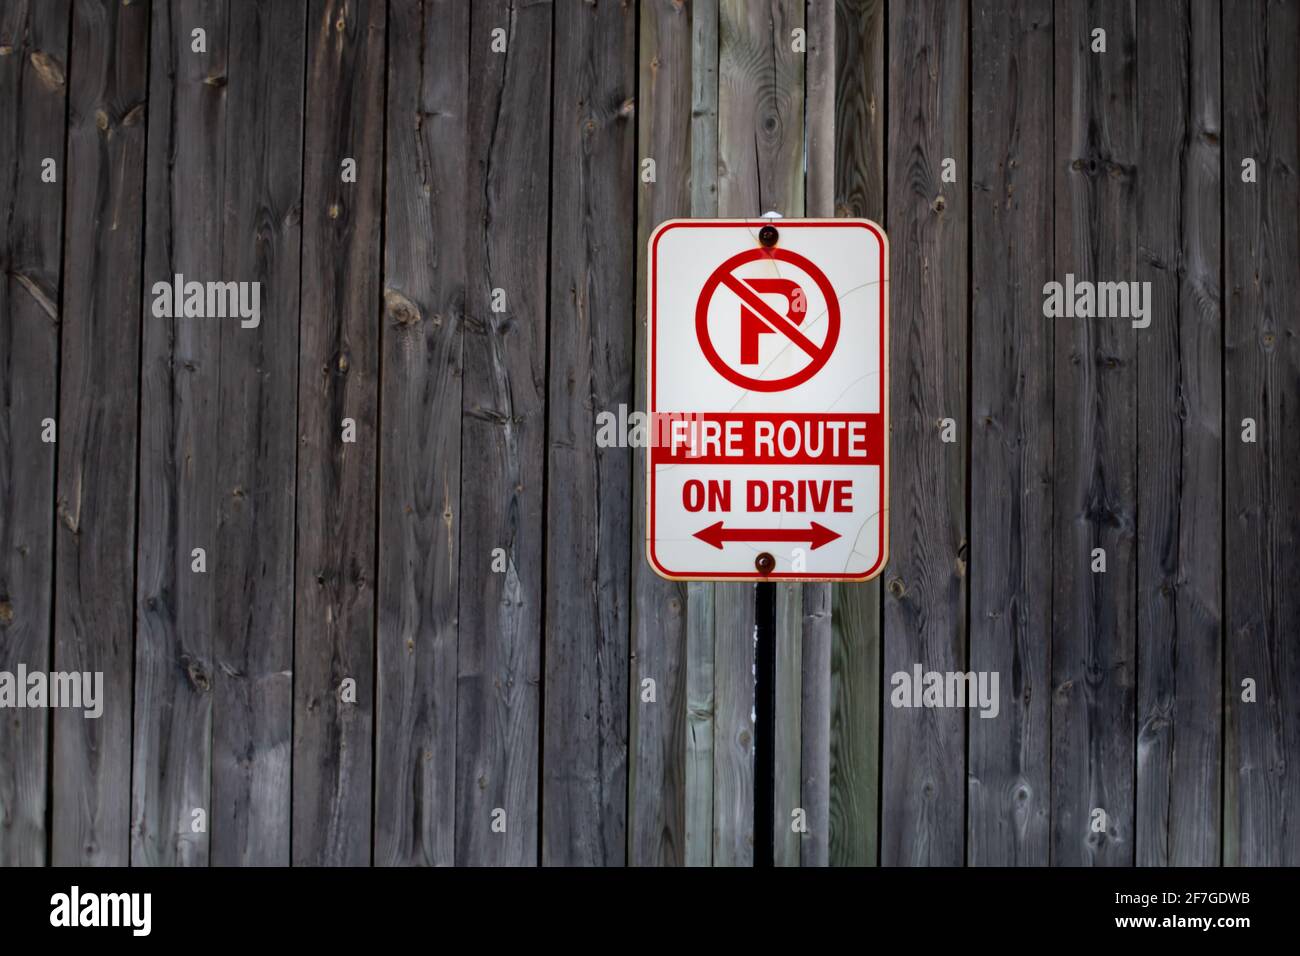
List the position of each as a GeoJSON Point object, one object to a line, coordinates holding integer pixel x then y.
{"type": "Point", "coordinates": [768, 398]}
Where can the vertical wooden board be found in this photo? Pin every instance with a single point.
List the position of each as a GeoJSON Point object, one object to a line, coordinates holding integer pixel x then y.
{"type": "Point", "coordinates": [925, 581]}
{"type": "Point", "coordinates": [700, 623]}
{"type": "Point", "coordinates": [33, 95]}
{"type": "Point", "coordinates": [1008, 783]}
{"type": "Point", "coordinates": [588, 522]}
{"type": "Point", "coordinates": [1094, 494]}
{"type": "Point", "coordinates": [788, 767]}
{"type": "Point", "coordinates": [733, 765]}
{"type": "Point", "coordinates": [657, 728]}
{"type": "Point", "coordinates": [813, 664]}
{"type": "Point", "coordinates": [180, 376]}
{"type": "Point", "coordinates": [760, 108]}
{"type": "Point", "coordinates": [503, 436]}
{"type": "Point", "coordinates": [855, 608]}
{"type": "Point", "coordinates": [253, 576]}
{"type": "Point", "coordinates": [419, 497]}
{"type": "Point", "coordinates": [99, 389]}
{"type": "Point", "coordinates": [855, 725]}
{"type": "Point", "coordinates": [700, 628]}
{"type": "Point", "coordinates": [760, 169]}
{"type": "Point", "coordinates": [1262, 486]}
{"type": "Point", "coordinates": [1180, 415]}
{"type": "Point", "coordinates": [337, 380]}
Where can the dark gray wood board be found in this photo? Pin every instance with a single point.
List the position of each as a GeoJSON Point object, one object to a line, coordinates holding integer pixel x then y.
{"type": "Point", "coordinates": [1008, 789]}
{"type": "Point", "coordinates": [923, 789]}
{"type": "Point", "coordinates": [588, 521]}
{"type": "Point", "coordinates": [1180, 438]}
{"type": "Point", "coordinates": [252, 674]}
{"type": "Point", "coordinates": [33, 104]}
{"type": "Point", "coordinates": [503, 436]}
{"type": "Point", "coordinates": [657, 825]}
{"type": "Point", "coordinates": [854, 758]}
{"type": "Point", "coordinates": [176, 547]}
{"type": "Point", "coordinates": [338, 372]}
{"type": "Point", "coordinates": [1261, 374]}
{"type": "Point", "coordinates": [420, 447]}
{"type": "Point", "coordinates": [1095, 461]}
{"type": "Point", "coordinates": [99, 388]}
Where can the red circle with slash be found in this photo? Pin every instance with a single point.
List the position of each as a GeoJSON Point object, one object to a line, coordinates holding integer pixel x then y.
{"type": "Point", "coordinates": [724, 275]}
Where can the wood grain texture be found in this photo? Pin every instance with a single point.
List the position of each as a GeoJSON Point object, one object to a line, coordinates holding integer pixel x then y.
{"type": "Point", "coordinates": [503, 435]}
{"type": "Point", "coordinates": [1094, 492]}
{"type": "Point", "coordinates": [420, 454]}
{"type": "Point", "coordinates": [700, 622]}
{"type": "Point", "coordinates": [733, 757]}
{"type": "Point", "coordinates": [657, 730]}
{"type": "Point", "coordinates": [1180, 437]}
{"type": "Point", "coordinates": [1261, 343]}
{"type": "Point", "coordinates": [855, 608]}
{"type": "Point", "coordinates": [1008, 789]}
{"type": "Point", "coordinates": [760, 169]}
{"type": "Point", "coordinates": [760, 108]}
{"type": "Point", "coordinates": [337, 380]}
{"type": "Point", "coordinates": [99, 382]}
{"type": "Point", "coordinates": [592, 285]}
{"type": "Point", "coordinates": [814, 664]}
{"type": "Point", "coordinates": [253, 570]}
{"type": "Point", "coordinates": [925, 581]}
{"type": "Point", "coordinates": [33, 104]}
{"type": "Point", "coordinates": [698, 780]}
{"type": "Point", "coordinates": [788, 759]}
{"type": "Point", "coordinates": [179, 453]}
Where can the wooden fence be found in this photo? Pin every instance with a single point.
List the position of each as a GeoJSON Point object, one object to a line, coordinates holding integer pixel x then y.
{"type": "Point", "coordinates": [421, 629]}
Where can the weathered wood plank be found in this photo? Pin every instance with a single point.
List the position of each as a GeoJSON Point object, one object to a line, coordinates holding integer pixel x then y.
{"type": "Point", "coordinates": [180, 380]}
{"type": "Point", "coordinates": [815, 628]}
{"type": "Point", "coordinates": [925, 603]}
{"type": "Point", "coordinates": [700, 623]}
{"type": "Point", "coordinates": [855, 608]}
{"type": "Point", "coordinates": [252, 682]}
{"type": "Point", "coordinates": [700, 628]}
{"type": "Point", "coordinates": [98, 433]}
{"type": "Point", "coordinates": [1094, 493]}
{"type": "Point", "coordinates": [1262, 486]}
{"type": "Point", "coordinates": [760, 108]}
{"type": "Point", "coordinates": [761, 167]}
{"type": "Point", "coordinates": [338, 379]}
{"type": "Point", "coordinates": [1008, 814]}
{"type": "Point", "coordinates": [657, 729]}
{"type": "Point", "coordinates": [788, 766]}
{"type": "Point", "coordinates": [733, 691]}
{"type": "Point", "coordinates": [1180, 438]}
{"type": "Point", "coordinates": [419, 496]}
{"type": "Point", "coordinates": [855, 725]}
{"type": "Point", "coordinates": [584, 759]}
{"type": "Point", "coordinates": [503, 446]}
{"type": "Point", "coordinates": [33, 121]}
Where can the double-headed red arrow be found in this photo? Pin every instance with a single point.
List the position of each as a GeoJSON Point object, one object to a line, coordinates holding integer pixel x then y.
{"type": "Point", "coordinates": [815, 534]}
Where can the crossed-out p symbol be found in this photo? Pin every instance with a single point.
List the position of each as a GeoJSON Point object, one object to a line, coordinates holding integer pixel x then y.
{"type": "Point", "coordinates": [751, 326]}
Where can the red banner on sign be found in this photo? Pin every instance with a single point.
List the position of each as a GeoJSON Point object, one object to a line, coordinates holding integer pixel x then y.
{"type": "Point", "coordinates": [762, 438]}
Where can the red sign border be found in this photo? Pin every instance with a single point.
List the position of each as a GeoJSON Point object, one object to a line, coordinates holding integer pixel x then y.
{"type": "Point", "coordinates": [652, 367]}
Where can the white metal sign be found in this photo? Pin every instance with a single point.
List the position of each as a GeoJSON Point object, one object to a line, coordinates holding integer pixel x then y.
{"type": "Point", "coordinates": [768, 400]}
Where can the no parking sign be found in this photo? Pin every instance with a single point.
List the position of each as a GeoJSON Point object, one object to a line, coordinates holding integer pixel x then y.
{"type": "Point", "coordinates": [768, 400]}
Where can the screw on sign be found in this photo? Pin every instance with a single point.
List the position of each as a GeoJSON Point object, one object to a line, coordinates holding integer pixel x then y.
{"type": "Point", "coordinates": [768, 398]}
